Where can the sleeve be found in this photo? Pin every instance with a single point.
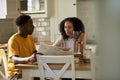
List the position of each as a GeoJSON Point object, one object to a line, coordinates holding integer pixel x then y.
{"type": "Point", "coordinates": [33, 43]}
{"type": "Point", "coordinates": [58, 42]}
{"type": "Point", "coordinates": [13, 48]}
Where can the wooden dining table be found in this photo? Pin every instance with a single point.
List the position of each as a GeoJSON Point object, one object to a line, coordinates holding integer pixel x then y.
{"type": "Point", "coordinates": [31, 70]}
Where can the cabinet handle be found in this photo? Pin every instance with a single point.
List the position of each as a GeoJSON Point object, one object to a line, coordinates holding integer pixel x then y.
{"type": "Point", "coordinates": [74, 4]}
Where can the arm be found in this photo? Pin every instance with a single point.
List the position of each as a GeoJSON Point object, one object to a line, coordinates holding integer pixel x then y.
{"type": "Point", "coordinates": [59, 42]}
{"type": "Point", "coordinates": [81, 42]}
{"type": "Point", "coordinates": [17, 59]}
{"type": "Point", "coordinates": [20, 60]}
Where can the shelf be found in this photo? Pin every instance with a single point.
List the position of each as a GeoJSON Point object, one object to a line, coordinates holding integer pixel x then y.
{"type": "Point", "coordinates": [34, 12]}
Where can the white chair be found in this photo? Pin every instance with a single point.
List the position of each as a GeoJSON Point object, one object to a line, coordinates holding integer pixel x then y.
{"type": "Point", "coordinates": [46, 71]}
{"type": "Point", "coordinates": [3, 67]}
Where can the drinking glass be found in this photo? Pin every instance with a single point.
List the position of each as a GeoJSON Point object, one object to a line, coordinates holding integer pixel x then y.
{"type": "Point", "coordinates": [76, 34]}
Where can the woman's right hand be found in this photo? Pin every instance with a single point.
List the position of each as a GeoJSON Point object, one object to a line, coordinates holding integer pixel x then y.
{"type": "Point", "coordinates": [81, 38]}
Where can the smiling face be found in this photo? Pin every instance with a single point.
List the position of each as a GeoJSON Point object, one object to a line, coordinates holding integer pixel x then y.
{"type": "Point", "coordinates": [68, 27]}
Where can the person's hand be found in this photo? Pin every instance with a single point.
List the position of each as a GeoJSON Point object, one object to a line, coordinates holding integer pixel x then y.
{"type": "Point", "coordinates": [40, 53]}
{"type": "Point", "coordinates": [81, 38]}
{"type": "Point", "coordinates": [32, 58]}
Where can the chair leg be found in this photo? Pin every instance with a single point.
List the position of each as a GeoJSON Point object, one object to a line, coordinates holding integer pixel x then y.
{"type": "Point", "coordinates": [16, 76]}
{"type": "Point", "coordinates": [3, 76]}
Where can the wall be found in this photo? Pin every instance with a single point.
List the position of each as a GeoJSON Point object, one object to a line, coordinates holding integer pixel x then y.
{"type": "Point", "coordinates": [7, 28]}
{"type": "Point", "coordinates": [86, 11]}
{"type": "Point", "coordinates": [42, 29]}
{"type": "Point", "coordinates": [109, 40]}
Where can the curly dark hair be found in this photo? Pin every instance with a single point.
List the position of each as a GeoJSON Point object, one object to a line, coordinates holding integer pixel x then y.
{"type": "Point", "coordinates": [77, 24]}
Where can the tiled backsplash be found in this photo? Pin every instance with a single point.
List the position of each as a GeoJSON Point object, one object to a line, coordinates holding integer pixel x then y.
{"type": "Point", "coordinates": [42, 29]}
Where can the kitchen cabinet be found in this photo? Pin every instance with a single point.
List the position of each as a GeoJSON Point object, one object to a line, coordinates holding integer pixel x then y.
{"type": "Point", "coordinates": [34, 8]}
{"type": "Point", "coordinates": [12, 8]}
{"type": "Point", "coordinates": [8, 9]}
{"type": "Point", "coordinates": [66, 8]}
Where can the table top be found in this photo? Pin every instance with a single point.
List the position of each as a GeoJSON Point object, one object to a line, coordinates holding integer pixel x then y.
{"type": "Point", "coordinates": [78, 66]}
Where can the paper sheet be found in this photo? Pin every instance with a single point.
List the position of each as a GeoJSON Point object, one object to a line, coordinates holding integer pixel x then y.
{"type": "Point", "coordinates": [52, 50]}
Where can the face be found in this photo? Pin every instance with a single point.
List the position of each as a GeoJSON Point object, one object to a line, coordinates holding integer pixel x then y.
{"type": "Point", "coordinates": [68, 28]}
{"type": "Point", "coordinates": [29, 27]}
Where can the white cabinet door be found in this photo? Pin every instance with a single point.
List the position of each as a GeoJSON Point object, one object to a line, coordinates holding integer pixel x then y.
{"type": "Point", "coordinates": [66, 8]}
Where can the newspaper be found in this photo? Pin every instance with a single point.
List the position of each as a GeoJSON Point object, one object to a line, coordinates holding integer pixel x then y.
{"type": "Point", "coordinates": [52, 50]}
